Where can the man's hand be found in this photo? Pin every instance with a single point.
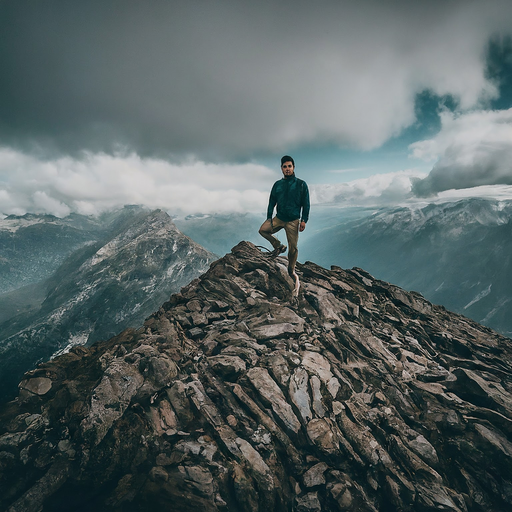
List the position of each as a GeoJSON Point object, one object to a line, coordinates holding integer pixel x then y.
{"type": "Point", "coordinates": [302, 226]}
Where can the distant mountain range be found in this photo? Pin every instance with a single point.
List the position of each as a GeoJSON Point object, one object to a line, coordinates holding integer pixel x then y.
{"type": "Point", "coordinates": [33, 246]}
{"type": "Point", "coordinates": [456, 254]}
{"type": "Point", "coordinates": [220, 232]}
{"type": "Point", "coordinates": [100, 289]}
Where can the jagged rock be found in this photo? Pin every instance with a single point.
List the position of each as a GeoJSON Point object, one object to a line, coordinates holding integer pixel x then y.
{"type": "Point", "coordinates": [316, 397]}
{"type": "Point", "coordinates": [299, 393]}
{"type": "Point", "coordinates": [274, 321]}
{"type": "Point", "coordinates": [245, 353]}
{"type": "Point", "coordinates": [308, 503]}
{"type": "Point", "coordinates": [110, 398]}
{"type": "Point", "coordinates": [271, 393]}
{"type": "Point", "coordinates": [356, 396]}
{"type": "Point", "coordinates": [425, 450]}
{"type": "Point", "coordinates": [315, 475]}
{"type": "Point", "coordinates": [227, 366]}
{"type": "Point", "coordinates": [196, 333]}
{"type": "Point", "coordinates": [37, 385]}
{"type": "Point", "coordinates": [318, 364]}
{"type": "Point", "coordinates": [324, 434]}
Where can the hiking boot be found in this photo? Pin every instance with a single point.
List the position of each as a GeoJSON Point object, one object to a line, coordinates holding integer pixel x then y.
{"type": "Point", "coordinates": [278, 250]}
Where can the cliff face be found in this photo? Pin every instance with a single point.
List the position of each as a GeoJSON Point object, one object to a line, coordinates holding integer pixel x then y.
{"type": "Point", "coordinates": [357, 396]}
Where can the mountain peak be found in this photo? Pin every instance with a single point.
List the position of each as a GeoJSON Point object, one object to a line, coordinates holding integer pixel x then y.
{"type": "Point", "coordinates": [100, 290]}
{"type": "Point", "coordinates": [234, 395]}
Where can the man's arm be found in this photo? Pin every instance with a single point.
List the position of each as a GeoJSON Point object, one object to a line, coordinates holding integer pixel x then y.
{"type": "Point", "coordinates": [272, 201]}
{"type": "Point", "coordinates": [305, 206]}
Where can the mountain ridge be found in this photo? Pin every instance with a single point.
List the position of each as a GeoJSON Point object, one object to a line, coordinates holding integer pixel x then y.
{"type": "Point", "coordinates": [100, 290]}
{"type": "Point", "coordinates": [32, 246]}
{"type": "Point", "coordinates": [450, 252]}
{"type": "Point", "coordinates": [357, 396]}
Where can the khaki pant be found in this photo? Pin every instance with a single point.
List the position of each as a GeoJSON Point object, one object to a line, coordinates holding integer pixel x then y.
{"type": "Point", "coordinates": [292, 234]}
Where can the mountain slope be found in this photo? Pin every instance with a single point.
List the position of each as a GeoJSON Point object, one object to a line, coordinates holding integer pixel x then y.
{"type": "Point", "coordinates": [101, 290]}
{"type": "Point", "coordinates": [32, 246]}
{"type": "Point", "coordinates": [218, 232]}
{"type": "Point", "coordinates": [357, 396]}
{"type": "Point", "coordinates": [456, 254]}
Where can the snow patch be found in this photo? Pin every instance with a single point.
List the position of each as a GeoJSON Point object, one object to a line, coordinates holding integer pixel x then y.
{"type": "Point", "coordinates": [84, 294]}
{"type": "Point", "coordinates": [176, 268]}
{"type": "Point", "coordinates": [79, 338]}
{"type": "Point", "coordinates": [497, 307]}
{"type": "Point", "coordinates": [13, 225]}
{"type": "Point", "coordinates": [480, 296]}
{"type": "Point", "coordinates": [123, 315]}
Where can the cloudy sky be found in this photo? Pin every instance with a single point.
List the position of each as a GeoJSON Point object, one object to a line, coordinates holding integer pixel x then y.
{"type": "Point", "coordinates": [189, 105]}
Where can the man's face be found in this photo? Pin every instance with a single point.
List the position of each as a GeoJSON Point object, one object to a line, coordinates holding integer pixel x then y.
{"type": "Point", "coordinates": [287, 168]}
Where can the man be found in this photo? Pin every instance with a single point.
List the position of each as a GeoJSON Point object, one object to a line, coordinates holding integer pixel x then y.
{"type": "Point", "coordinates": [291, 195]}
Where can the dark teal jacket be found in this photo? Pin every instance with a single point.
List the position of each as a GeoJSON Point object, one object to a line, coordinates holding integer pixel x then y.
{"type": "Point", "coordinates": [291, 195]}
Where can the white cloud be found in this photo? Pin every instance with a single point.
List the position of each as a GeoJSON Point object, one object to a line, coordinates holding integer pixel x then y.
{"type": "Point", "coordinates": [380, 189]}
{"type": "Point", "coordinates": [44, 203]}
{"type": "Point", "coordinates": [471, 150]}
{"type": "Point", "coordinates": [499, 192]}
{"type": "Point", "coordinates": [99, 182]}
{"type": "Point", "coordinates": [394, 189]}
{"type": "Point", "coordinates": [346, 171]}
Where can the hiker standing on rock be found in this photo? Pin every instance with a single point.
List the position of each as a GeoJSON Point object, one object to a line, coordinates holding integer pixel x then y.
{"type": "Point", "coordinates": [291, 195]}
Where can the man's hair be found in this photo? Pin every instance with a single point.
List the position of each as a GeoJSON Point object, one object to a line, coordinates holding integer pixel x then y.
{"type": "Point", "coordinates": [287, 158]}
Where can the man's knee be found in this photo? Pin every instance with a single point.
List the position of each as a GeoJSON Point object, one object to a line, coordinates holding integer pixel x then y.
{"type": "Point", "coordinates": [293, 244]}
{"type": "Point", "coordinates": [264, 231]}
{"type": "Point", "coordinates": [266, 228]}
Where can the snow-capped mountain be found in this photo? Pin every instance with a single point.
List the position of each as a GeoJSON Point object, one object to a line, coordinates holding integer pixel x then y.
{"type": "Point", "coordinates": [456, 254]}
{"type": "Point", "coordinates": [33, 246]}
{"type": "Point", "coordinates": [102, 289]}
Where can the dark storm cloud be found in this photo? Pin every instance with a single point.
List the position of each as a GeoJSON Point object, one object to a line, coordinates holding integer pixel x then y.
{"type": "Point", "coordinates": [493, 168]}
{"type": "Point", "coordinates": [226, 78]}
{"type": "Point", "coordinates": [472, 150]}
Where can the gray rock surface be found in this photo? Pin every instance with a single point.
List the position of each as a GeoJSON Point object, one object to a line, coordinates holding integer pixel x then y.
{"type": "Point", "coordinates": [372, 399]}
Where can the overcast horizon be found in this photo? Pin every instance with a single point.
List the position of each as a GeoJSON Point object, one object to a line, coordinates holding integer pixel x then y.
{"type": "Point", "coordinates": [189, 106]}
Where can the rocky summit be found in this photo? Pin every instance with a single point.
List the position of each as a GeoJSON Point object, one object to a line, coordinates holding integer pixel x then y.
{"type": "Point", "coordinates": [235, 396]}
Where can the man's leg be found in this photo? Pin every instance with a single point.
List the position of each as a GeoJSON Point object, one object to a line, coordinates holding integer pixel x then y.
{"type": "Point", "coordinates": [268, 228]}
{"type": "Point", "coordinates": [292, 234]}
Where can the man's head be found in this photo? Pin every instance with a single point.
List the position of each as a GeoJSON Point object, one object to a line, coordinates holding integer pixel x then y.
{"type": "Point", "coordinates": [287, 165]}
